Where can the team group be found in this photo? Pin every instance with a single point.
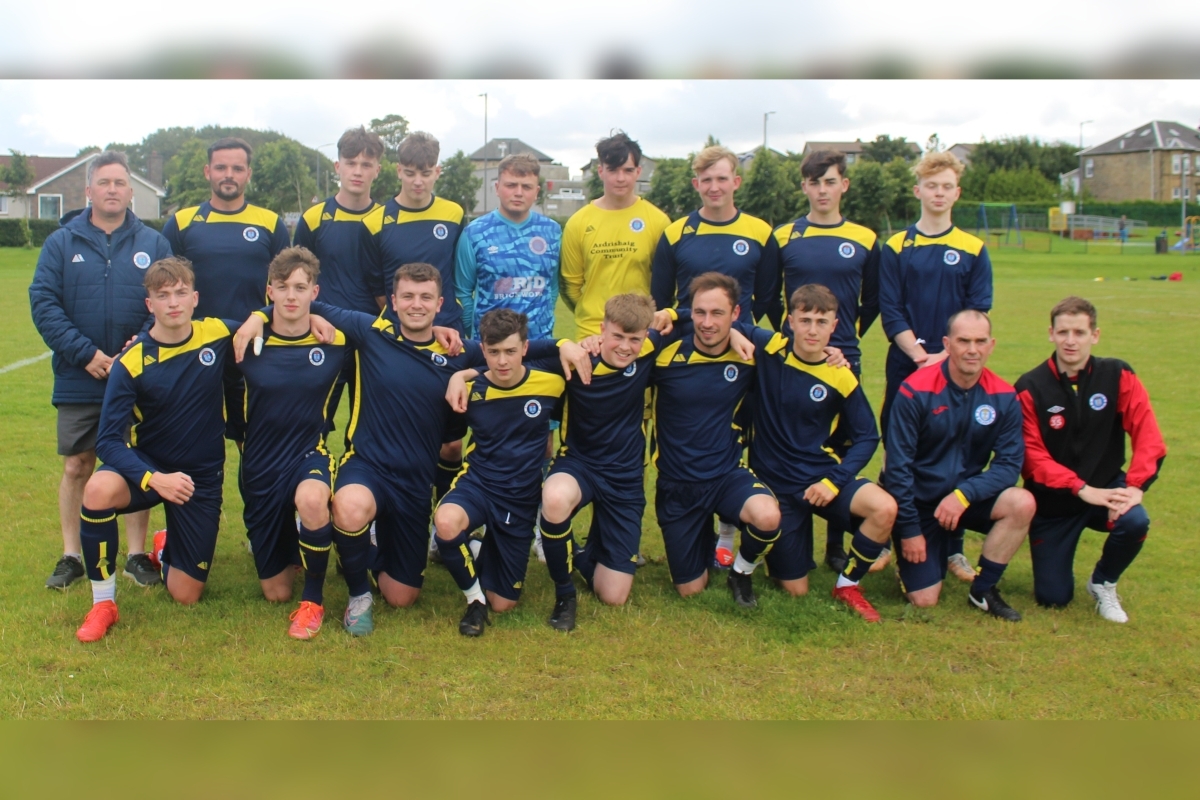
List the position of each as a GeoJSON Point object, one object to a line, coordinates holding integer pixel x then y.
{"type": "Point", "coordinates": [429, 327]}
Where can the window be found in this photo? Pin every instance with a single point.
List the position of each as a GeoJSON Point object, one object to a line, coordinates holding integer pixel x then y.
{"type": "Point", "coordinates": [49, 206]}
{"type": "Point", "coordinates": [1089, 168]}
{"type": "Point", "coordinates": [851, 158]}
{"type": "Point", "coordinates": [3, 204]}
{"type": "Point", "coordinates": [1175, 193]}
{"type": "Point", "coordinates": [1176, 165]}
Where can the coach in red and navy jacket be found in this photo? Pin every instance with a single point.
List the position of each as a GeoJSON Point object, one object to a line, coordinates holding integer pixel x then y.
{"type": "Point", "coordinates": [1077, 410]}
{"type": "Point", "coordinates": [948, 421]}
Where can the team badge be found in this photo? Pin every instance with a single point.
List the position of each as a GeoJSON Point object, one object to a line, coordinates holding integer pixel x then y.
{"type": "Point", "coordinates": [316, 356]}
{"type": "Point", "coordinates": [631, 370]}
{"type": "Point", "coordinates": [637, 225]}
{"type": "Point", "coordinates": [741, 247]}
{"type": "Point", "coordinates": [440, 231]}
{"type": "Point", "coordinates": [951, 257]}
{"type": "Point", "coordinates": [208, 357]}
{"type": "Point", "coordinates": [1057, 422]}
{"type": "Point", "coordinates": [250, 234]}
{"type": "Point", "coordinates": [1098, 402]}
{"type": "Point", "coordinates": [141, 260]}
{"type": "Point", "coordinates": [533, 408]}
{"type": "Point", "coordinates": [731, 373]}
{"type": "Point", "coordinates": [985, 415]}
{"type": "Point", "coordinates": [1055, 409]}
{"type": "Point", "coordinates": [846, 250]}
{"type": "Point", "coordinates": [538, 246]}
{"type": "Point", "coordinates": [438, 358]}
{"type": "Point", "coordinates": [818, 393]}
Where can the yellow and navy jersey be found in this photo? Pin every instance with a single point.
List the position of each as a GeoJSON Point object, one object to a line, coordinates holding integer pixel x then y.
{"type": "Point", "coordinates": [696, 401]}
{"type": "Point", "coordinates": [924, 280]}
{"type": "Point", "coordinates": [509, 427]}
{"type": "Point", "coordinates": [797, 406]}
{"type": "Point", "coordinates": [398, 235]}
{"type": "Point", "coordinates": [843, 258]}
{"type": "Point", "coordinates": [287, 390]}
{"type": "Point", "coordinates": [337, 237]}
{"type": "Point", "coordinates": [606, 253]}
{"type": "Point", "coordinates": [692, 246]}
{"type": "Point", "coordinates": [173, 396]}
{"type": "Point", "coordinates": [230, 253]}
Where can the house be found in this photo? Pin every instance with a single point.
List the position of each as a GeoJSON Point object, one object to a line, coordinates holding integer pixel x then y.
{"type": "Point", "coordinates": [58, 187]}
{"type": "Point", "coordinates": [747, 158]}
{"type": "Point", "coordinates": [487, 157]}
{"type": "Point", "coordinates": [853, 150]}
{"type": "Point", "coordinates": [1154, 161]}
{"type": "Point", "coordinates": [962, 152]}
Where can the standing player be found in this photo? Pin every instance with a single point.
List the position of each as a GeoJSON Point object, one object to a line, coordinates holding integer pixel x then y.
{"type": "Point", "coordinates": [927, 273]}
{"type": "Point", "coordinates": [1077, 411]}
{"type": "Point", "coordinates": [949, 420]}
{"type": "Point", "coordinates": [333, 232]}
{"type": "Point", "coordinates": [800, 399]}
{"type": "Point", "coordinates": [286, 470]}
{"type": "Point", "coordinates": [508, 410]}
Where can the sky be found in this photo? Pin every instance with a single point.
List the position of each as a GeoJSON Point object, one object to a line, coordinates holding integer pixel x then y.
{"type": "Point", "coordinates": [564, 118]}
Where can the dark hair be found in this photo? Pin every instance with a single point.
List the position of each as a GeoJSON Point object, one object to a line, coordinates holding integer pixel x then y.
{"type": "Point", "coordinates": [498, 324]}
{"type": "Point", "coordinates": [168, 272]}
{"type": "Point", "coordinates": [230, 143]}
{"type": "Point", "coordinates": [291, 259]}
{"type": "Point", "coordinates": [419, 150]}
{"type": "Point", "coordinates": [360, 141]}
{"type": "Point", "coordinates": [966, 312]}
{"type": "Point", "coordinates": [614, 151]}
{"type": "Point", "coordinates": [1074, 305]}
{"type": "Point", "coordinates": [105, 159]}
{"type": "Point", "coordinates": [714, 280]}
{"type": "Point", "coordinates": [818, 162]}
{"type": "Point", "coordinates": [814, 297]}
{"type": "Point", "coordinates": [519, 164]}
{"type": "Point", "coordinates": [417, 272]}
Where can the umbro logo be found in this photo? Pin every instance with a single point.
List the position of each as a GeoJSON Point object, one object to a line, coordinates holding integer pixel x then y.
{"type": "Point", "coordinates": [1055, 409]}
{"type": "Point", "coordinates": [78, 257]}
{"type": "Point", "coordinates": [688, 229]}
{"type": "Point", "coordinates": [326, 216]}
{"type": "Point", "coordinates": [388, 220]}
{"type": "Point", "coordinates": [939, 410]}
{"type": "Point", "coordinates": [493, 250]}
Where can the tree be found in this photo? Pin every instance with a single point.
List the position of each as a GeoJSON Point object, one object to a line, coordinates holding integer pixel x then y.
{"type": "Point", "coordinates": [870, 195]}
{"type": "Point", "coordinates": [769, 190]}
{"type": "Point", "coordinates": [671, 187]}
{"type": "Point", "coordinates": [19, 175]}
{"type": "Point", "coordinates": [183, 174]}
{"type": "Point", "coordinates": [388, 183]}
{"type": "Point", "coordinates": [933, 144]}
{"type": "Point", "coordinates": [904, 208]}
{"type": "Point", "coordinates": [1025, 185]}
{"type": "Point", "coordinates": [885, 148]}
{"type": "Point", "coordinates": [87, 151]}
{"type": "Point", "coordinates": [458, 181]}
{"type": "Point", "coordinates": [392, 129]}
{"type": "Point", "coordinates": [595, 186]}
{"type": "Point", "coordinates": [282, 178]}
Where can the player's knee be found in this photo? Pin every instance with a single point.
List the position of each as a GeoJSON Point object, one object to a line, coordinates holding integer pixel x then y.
{"type": "Point", "coordinates": [1021, 506]}
{"type": "Point", "coordinates": [796, 588]}
{"type": "Point", "coordinates": [448, 522]}
{"type": "Point", "coordinates": [277, 593]}
{"type": "Point", "coordinates": [1134, 523]}
{"type": "Point", "coordinates": [100, 491]}
{"type": "Point", "coordinates": [398, 596]}
{"type": "Point", "coordinates": [613, 595]}
{"type": "Point", "coordinates": [186, 595]}
{"type": "Point", "coordinates": [79, 467]}
{"type": "Point", "coordinates": [499, 604]}
{"type": "Point", "coordinates": [556, 505]}
{"type": "Point", "coordinates": [313, 509]}
{"type": "Point", "coordinates": [350, 516]}
{"type": "Point", "coordinates": [925, 598]}
{"type": "Point", "coordinates": [692, 588]}
{"type": "Point", "coordinates": [451, 451]}
{"type": "Point", "coordinates": [884, 513]}
{"type": "Point", "coordinates": [764, 514]}
{"type": "Point", "coordinates": [1053, 597]}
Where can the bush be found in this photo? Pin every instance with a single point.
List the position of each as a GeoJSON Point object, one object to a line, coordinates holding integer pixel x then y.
{"type": "Point", "coordinates": [39, 229]}
{"type": "Point", "coordinates": [157, 224]}
{"type": "Point", "coordinates": [11, 234]}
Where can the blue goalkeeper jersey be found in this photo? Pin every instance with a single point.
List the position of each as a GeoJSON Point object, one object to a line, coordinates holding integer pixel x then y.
{"type": "Point", "coordinates": [503, 264]}
{"type": "Point", "coordinates": [337, 238]}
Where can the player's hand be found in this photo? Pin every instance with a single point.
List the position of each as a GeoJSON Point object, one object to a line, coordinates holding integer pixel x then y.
{"type": "Point", "coordinates": [322, 329]}
{"type": "Point", "coordinates": [913, 549]}
{"type": "Point", "coordinates": [456, 391]}
{"type": "Point", "coordinates": [663, 322]}
{"type": "Point", "coordinates": [819, 495]}
{"type": "Point", "coordinates": [1128, 497]}
{"type": "Point", "coordinates": [1108, 498]}
{"type": "Point", "coordinates": [174, 487]}
{"type": "Point", "coordinates": [251, 329]}
{"type": "Point", "coordinates": [949, 511]}
{"type": "Point", "coordinates": [937, 358]}
{"type": "Point", "coordinates": [574, 357]}
{"type": "Point", "coordinates": [99, 366]}
{"type": "Point", "coordinates": [591, 344]}
{"type": "Point", "coordinates": [834, 357]}
{"type": "Point", "coordinates": [449, 339]}
{"type": "Point", "coordinates": [741, 345]}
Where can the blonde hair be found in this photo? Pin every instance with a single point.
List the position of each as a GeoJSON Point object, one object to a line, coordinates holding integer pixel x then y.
{"type": "Point", "coordinates": [711, 155]}
{"type": "Point", "coordinates": [631, 312]}
{"type": "Point", "coordinates": [934, 163]}
{"type": "Point", "coordinates": [167, 272]}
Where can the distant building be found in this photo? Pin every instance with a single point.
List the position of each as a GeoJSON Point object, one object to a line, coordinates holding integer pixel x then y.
{"type": "Point", "coordinates": [1154, 161]}
{"type": "Point", "coordinates": [58, 187]}
{"type": "Point", "coordinates": [487, 157]}
{"type": "Point", "coordinates": [643, 186]}
{"type": "Point", "coordinates": [747, 158]}
{"type": "Point", "coordinates": [962, 152]}
{"type": "Point", "coordinates": [853, 150]}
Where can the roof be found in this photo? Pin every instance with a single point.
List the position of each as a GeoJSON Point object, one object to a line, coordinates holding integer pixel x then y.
{"type": "Point", "coordinates": [970, 148]}
{"type": "Point", "coordinates": [850, 147]}
{"type": "Point", "coordinates": [750, 154]}
{"type": "Point", "coordinates": [492, 152]}
{"type": "Point", "coordinates": [1155, 135]}
{"type": "Point", "coordinates": [48, 168]}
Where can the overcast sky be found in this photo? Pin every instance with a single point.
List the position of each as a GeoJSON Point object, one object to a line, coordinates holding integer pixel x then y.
{"type": "Point", "coordinates": [565, 117]}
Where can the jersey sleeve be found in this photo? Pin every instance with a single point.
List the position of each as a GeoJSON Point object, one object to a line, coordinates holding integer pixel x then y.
{"type": "Point", "coordinates": [859, 422]}
{"type": "Point", "coordinates": [868, 309]}
{"type": "Point", "coordinates": [570, 276]}
{"type": "Point", "coordinates": [372, 255]}
{"type": "Point", "coordinates": [663, 272]}
{"type": "Point", "coordinates": [891, 294]}
{"type": "Point", "coordinates": [280, 240]}
{"type": "Point", "coordinates": [304, 236]}
{"type": "Point", "coordinates": [767, 291]}
{"type": "Point", "coordinates": [903, 433]}
{"type": "Point", "coordinates": [120, 397]}
{"type": "Point", "coordinates": [979, 290]}
{"type": "Point", "coordinates": [1137, 417]}
{"type": "Point", "coordinates": [171, 233]}
{"type": "Point", "coordinates": [355, 324]}
{"type": "Point", "coordinates": [50, 318]}
{"type": "Point", "coordinates": [1040, 467]}
{"type": "Point", "coordinates": [466, 273]}
{"type": "Point", "coordinates": [1009, 454]}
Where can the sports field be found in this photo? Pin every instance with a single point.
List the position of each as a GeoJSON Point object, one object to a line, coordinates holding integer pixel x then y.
{"type": "Point", "coordinates": [659, 657]}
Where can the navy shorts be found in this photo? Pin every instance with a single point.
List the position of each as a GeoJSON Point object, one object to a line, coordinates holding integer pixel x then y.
{"type": "Point", "coordinates": [504, 558]}
{"type": "Point", "coordinates": [192, 527]}
{"type": "Point", "coordinates": [685, 510]}
{"type": "Point", "coordinates": [938, 540]}
{"type": "Point", "coordinates": [402, 511]}
{"type": "Point", "coordinates": [270, 513]}
{"type": "Point", "coordinates": [791, 557]}
{"type": "Point", "coordinates": [618, 504]}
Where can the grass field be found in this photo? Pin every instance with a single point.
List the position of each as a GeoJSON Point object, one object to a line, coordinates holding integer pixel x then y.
{"type": "Point", "coordinates": [660, 656]}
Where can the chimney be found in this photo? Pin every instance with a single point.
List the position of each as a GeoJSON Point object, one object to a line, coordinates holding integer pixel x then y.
{"type": "Point", "coordinates": [154, 166]}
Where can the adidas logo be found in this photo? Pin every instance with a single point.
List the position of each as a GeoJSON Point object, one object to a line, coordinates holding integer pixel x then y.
{"type": "Point", "coordinates": [388, 220]}
{"type": "Point", "coordinates": [476, 396]}
{"type": "Point", "coordinates": [909, 242]}
{"type": "Point", "coordinates": [590, 229]}
{"type": "Point", "coordinates": [147, 361]}
{"type": "Point", "coordinates": [795, 235]}
{"type": "Point", "coordinates": [314, 472]}
{"type": "Point", "coordinates": [78, 257]}
{"type": "Point", "coordinates": [688, 229]}
{"type": "Point", "coordinates": [202, 565]}
{"type": "Point", "coordinates": [197, 218]}
{"type": "Point", "coordinates": [326, 216]}
{"type": "Point", "coordinates": [678, 357]}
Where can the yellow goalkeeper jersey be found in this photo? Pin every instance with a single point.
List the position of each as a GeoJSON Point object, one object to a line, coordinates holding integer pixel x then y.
{"type": "Point", "coordinates": [605, 253]}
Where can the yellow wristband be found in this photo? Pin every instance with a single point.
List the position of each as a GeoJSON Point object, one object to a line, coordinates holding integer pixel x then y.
{"type": "Point", "coordinates": [962, 498]}
{"type": "Point", "coordinates": [145, 484]}
{"type": "Point", "coordinates": [836, 491]}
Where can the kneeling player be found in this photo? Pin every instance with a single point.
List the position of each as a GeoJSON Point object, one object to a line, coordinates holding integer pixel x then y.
{"type": "Point", "coordinates": [168, 385]}
{"type": "Point", "coordinates": [800, 399]}
{"type": "Point", "coordinates": [949, 420]}
{"type": "Point", "coordinates": [508, 411]}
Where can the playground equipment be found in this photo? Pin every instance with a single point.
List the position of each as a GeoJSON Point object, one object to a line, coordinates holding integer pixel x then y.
{"type": "Point", "coordinates": [1008, 220]}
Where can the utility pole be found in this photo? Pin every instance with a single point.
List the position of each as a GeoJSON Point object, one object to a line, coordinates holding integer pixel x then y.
{"type": "Point", "coordinates": [1079, 208]}
{"type": "Point", "coordinates": [765, 116]}
{"type": "Point", "coordinates": [485, 157]}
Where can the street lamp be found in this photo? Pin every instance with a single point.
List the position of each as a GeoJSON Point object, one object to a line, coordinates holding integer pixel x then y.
{"type": "Point", "coordinates": [317, 149]}
{"type": "Point", "coordinates": [765, 115]}
{"type": "Point", "coordinates": [1079, 210]}
{"type": "Point", "coordinates": [485, 158]}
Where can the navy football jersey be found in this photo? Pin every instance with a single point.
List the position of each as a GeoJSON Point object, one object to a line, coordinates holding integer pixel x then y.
{"type": "Point", "coordinates": [335, 235]}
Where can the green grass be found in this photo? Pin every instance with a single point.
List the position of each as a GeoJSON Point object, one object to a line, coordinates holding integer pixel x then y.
{"type": "Point", "coordinates": [660, 656]}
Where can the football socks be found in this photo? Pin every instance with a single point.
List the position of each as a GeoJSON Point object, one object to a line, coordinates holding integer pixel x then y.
{"type": "Point", "coordinates": [314, 552]}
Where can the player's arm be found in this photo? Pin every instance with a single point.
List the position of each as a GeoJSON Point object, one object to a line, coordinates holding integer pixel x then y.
{"type": "Point", "coordinates": [768, 284]}
{"type": "Point", "coordinates": [303, 237]}
{"type": "Point", "coordinates": [50, 318]}
{"type": "Point", "coordinates": [896, 325]}
{"type": "Point", "coordinates": [371, 248]}
{"type": "Point", "coordinates": [868, 309]}
{"type": "Point", "coordinates": [120, 398]}
{"type": "Point", "coordinates": [457, 389]}
{"type": "Point", "coordinates": [280, 240]}
{"type": "Point", "coordinates": [173, 235]}
{"type": "Point", "coordinates": [1007, 457]}
{"type": "Point", "coordinates": [466, 273]}
{"type": "Point", "coordinates": [570, 276]}
{"type": "Point", "coordinates": [1137, 417]}
{"type": "Point", "coordinates": [859, 421]}
{"type": "Point", "coordinates": [979, 287]}
{"type": "Point", "coordinates": [663, 270]}
{"type": "Point", "coordinates": [1039, 466]}
{"type": "Point", "coordinates": [903, 436]}
{"type": "Point", "coordinates": [554, 280]}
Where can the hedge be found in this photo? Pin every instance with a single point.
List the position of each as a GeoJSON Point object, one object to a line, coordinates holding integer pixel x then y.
{"type": "Point", "coordinates": [11, 236]}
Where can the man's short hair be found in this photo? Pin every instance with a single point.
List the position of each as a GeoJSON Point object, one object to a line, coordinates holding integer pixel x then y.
{"type": "Point", "coordinates": [814, 297]}
{"type": "Point", "coordinates": [614, 151]}
{"type": "Point", "coordinates": [360, 141]}
{"type": "Point", "coordinates": [419, 150]}
{"type": "Point", "coordinates": [630, 312]}
{"type": "Point", "coordinates": [711, 155]}
{"type": "Point", "coordinates": [500, 323]}
{"type": "Point", "coordinates": [417, 272]}
{"type": "Point", "coordinates": [230, 143]}
{"type": "Point", "coordinates": [168, 272]}
{"type": "Point", "coordinates": [934, 163]}
{"type": "Point", "coordinates": [519, 164]}
{"type": "Point", "coordinates": [291, 259]}
{"type": "Point", "coordinates": [715, 280]}
{"type": "Point", "coordinates": [968, 312]}
{"type": "Point", "coordinates": [1074, 305]}
{"type": "Point", "coordinates": [818, 162]}
{"type": "Point", "coordinates": [105, 159]}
